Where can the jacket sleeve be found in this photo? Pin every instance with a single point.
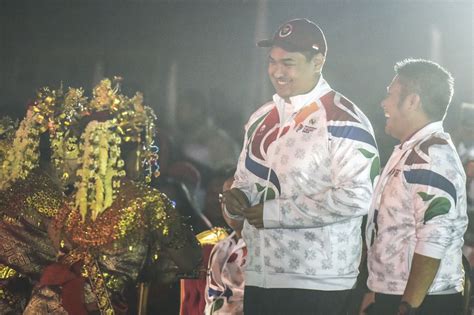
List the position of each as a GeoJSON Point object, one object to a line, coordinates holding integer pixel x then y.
{"type": "Point", "coordinates": [346, 194]}
{"type": "Point", "coordinates": [439, 201]}
{"type": "Point", "coordinates": [242, 179]}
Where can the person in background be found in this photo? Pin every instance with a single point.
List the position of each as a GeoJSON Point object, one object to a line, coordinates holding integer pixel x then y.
{"type": "Point", "coordinates": [213, 203]}
{"type": "Point", "coordinates": [37, 168]}
{"type": "Point", "coordinates": [193, 289]}
{"type": "Point", "coordinates": [225, 275]}
{"type": "Point", "coordinates": [304, 181]}
{"type": "Point", "coordinates": [106, 236]}
{"type": "Point", "coordinates": [417, 217]}
{"type": "Point", "coordinates": [199, 139]}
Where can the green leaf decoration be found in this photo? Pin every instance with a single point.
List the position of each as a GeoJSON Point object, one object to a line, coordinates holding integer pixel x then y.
{"type": "Point", "coordinates": [425, 196]}
{"type": "Point", "coordinates": [217, 305]}
{"type": "Point", "coordinates": [438, 206]}
{"type": "Point", "coordinates": [270, 195]}
{"type": "Point", "coordinates": [259, 187]}
{"type": "Point", "coordinates": [255, 124]}
{"type": "Point", "coordinates": [366, 153]}
{"type": "Point", "coordinates": [374, 169]}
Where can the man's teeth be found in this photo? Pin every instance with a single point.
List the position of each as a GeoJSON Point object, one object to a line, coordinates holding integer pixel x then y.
{"type": "Point", "coordinates": [282, 82]}
{"type": "Point", "coordinates": [387, 115]}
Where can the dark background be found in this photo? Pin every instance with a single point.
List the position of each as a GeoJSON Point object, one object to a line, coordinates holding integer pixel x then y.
{"type": "Point", "coordinates": [163, 47]}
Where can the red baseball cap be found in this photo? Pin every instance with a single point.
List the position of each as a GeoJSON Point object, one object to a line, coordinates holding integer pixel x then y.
{"type": "Point", "coordinates": [296, 36]}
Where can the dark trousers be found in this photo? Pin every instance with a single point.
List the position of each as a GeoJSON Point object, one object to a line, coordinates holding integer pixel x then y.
{"type": "Point", "coordinates": [260, 301]}
{"type": "Point", "coordinates": [449, 304]}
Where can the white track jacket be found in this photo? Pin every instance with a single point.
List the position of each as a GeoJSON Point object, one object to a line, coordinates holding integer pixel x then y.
{"type": "Point", "coordinates": [314, 162]}
{"type": "Point", "coordinates": [419, 206]}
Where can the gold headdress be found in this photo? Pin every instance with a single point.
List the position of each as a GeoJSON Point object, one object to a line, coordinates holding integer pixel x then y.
{"type": "Point", "coordinates": [52, 111]}
{"type": "Point", "coordinates": [116, 118]}
{"type": "Point", "coordinates": [7, 132]}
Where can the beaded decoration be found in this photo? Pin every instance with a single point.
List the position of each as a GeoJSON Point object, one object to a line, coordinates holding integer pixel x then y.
{"type": "Point", "coordinates": [52, 111]}
{"type": "Point", "coordinates": [7, 132]}
{"type": "Point", "coordinates": [119, 119]}
{"type": "Point", "coordinates": [6, 296]}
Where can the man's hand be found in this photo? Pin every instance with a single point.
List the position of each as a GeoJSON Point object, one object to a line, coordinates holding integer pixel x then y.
{"type": "Point", "coordinates": [254, 215]}
{"type": "Point", "coordinates": [422, 273]}
{"type": "Point", "coordinates": [235, 201]}
{"type": "Point", "coordinates": [367, 300]}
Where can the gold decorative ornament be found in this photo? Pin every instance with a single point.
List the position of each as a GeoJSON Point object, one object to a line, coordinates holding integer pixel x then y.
{"type": "Point", "coordinates": [118, 119]}
{"type": "Point", "coordinates": [7, 133]}
{"type": "Point", "coordinates": [52, 111]}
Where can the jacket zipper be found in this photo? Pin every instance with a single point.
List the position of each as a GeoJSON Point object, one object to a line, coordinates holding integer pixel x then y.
{"type": "Point", "coordinates": [281, 115]}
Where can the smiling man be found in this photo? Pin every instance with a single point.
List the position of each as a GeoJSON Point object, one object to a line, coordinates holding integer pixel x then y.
{"type": "Point", "coordinates": [303, 182]}
{"type": "Point", "coordinates": [418, 213]}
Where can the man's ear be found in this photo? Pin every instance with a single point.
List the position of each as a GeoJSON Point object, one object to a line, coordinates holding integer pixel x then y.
{"type": "Point", "coordinates": [318, 61]}
{"type": "Point", "coordinates": [414, 101]}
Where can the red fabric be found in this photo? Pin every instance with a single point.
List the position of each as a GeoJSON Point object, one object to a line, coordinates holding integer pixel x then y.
{"type": "Point", "coordinates": [72, 293]}
{"type": "Point", "coordinates": [193, 300]}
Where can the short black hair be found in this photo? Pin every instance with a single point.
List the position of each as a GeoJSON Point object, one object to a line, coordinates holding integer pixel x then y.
{"type": "Point", "coordinates": [44, 147]}
{"type": "Point", "coordinates": [433, 83]}
{"type": "Point", "coordinates": [309, 54]}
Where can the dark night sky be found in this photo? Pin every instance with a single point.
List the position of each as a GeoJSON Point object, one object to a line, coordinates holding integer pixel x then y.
{"type": "Point", "coordinates": [211, 45]}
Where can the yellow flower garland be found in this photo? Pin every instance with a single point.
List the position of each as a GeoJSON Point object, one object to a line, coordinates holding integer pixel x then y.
{"type": "Point", "coordinates": [54, 112]}
{"type": "Point", "coordinates": [100, 169]}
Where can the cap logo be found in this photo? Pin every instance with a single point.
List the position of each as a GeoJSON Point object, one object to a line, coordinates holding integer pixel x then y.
{"type": "Point", "coordinates": [286, 30]}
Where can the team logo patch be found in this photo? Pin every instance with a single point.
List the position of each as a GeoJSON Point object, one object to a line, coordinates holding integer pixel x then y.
{"type": "Point", "coordinates": [286, 30]}
{"type": "Point", "coordinates": [308, 129]}
{"type": "Point", "coordinates": [305, 128]}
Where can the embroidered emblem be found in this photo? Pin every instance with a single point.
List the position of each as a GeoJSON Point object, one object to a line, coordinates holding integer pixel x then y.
{"type": "Point", "coordinates": [305, 128]}
{"type": "Point", "coordinates": [286, 30]}
{"type": "Point", "coordinates": [308, 129]}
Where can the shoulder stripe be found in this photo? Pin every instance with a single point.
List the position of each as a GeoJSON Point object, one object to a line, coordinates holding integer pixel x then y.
{"type": "Point", "coordinates": [354, 133]}
{"type": "Point", "coordinates": [414, 158]}
{"type": "Point", "coordinates": [430, 142]}
{"type": "Point", "coordinates": [347, 104]}
{"type": "Point", "coordinates": [334, 112]}
{"type": "Point", "coordinates": [430, 178]}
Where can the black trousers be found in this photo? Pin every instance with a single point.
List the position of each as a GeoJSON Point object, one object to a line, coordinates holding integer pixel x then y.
{"type": "Point", "coordinates": [260, 301]}
{"type": "Point", "coordinates": [449, 304]}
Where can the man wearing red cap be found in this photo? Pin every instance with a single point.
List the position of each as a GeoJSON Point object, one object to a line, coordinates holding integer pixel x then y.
{"type": "Point", "coordinates": [303, 182]}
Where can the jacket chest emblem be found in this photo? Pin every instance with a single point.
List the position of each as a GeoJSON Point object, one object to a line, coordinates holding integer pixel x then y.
{"type": "Point", "coordinates": [305, 128]}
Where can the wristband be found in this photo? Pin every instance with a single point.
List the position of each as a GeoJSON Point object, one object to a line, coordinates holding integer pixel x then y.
{"type": "Point", "coordinates": [236, 217]}
{"type": "Point", "coordinates": [404, 308]}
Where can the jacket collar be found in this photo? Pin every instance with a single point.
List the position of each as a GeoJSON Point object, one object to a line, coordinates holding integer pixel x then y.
{"type": "Point", "coordinates": [299, 101]}
{"type": "Point", "coordinates": [427, 130]}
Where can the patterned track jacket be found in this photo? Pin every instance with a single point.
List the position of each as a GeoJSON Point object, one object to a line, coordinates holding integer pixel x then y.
{"type": "Point", "coordinates": [225, 278]}
{"type": "Point", "coordinates": [419, 206]}
{"type": "Point", "coordinates": [313, 162]}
